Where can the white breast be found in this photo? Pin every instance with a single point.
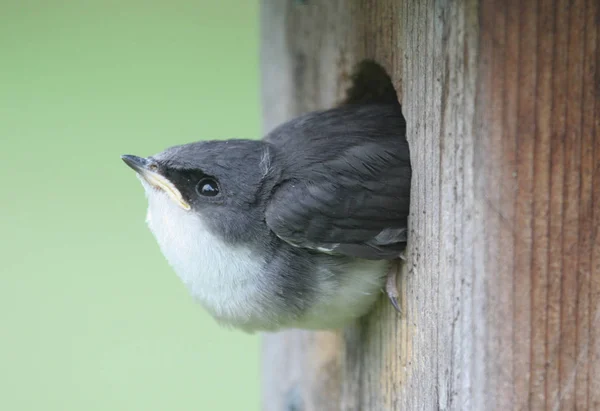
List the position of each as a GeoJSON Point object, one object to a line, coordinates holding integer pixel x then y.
{"type": "Point", "coordinates": [224, 279]}
{"type": "Point", "coordinates": [345, 297]}
{"type": "Point", "coordinates": [228, 281]}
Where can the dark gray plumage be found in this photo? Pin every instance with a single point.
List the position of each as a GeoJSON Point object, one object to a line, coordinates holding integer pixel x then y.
{"type": "Point", "coordinates": [343, 181]}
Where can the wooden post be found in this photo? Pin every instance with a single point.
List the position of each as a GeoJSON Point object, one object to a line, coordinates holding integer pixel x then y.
{"type": "Point", "coordinates": [501, 293]}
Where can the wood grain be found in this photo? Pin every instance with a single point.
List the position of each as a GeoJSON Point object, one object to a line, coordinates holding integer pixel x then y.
{"type": "Point", "coordinates": [501, 293]}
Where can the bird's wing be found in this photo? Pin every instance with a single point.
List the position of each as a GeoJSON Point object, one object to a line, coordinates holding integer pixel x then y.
{"type": "Point", "coordinates": [354, 203]}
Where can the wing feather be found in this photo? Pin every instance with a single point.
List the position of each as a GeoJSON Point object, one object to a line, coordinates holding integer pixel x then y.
{"type": "Point", "coordinates": [345, 184]}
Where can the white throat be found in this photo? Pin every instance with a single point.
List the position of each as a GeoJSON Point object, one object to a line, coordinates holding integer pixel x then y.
{"type": "Point", "coordinates": [224, 279]}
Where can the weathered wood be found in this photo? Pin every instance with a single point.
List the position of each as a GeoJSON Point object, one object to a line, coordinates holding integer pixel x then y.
{"type": "Point", "coordinates": [501, 293]}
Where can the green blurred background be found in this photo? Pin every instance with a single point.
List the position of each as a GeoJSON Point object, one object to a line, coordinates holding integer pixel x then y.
{"type": "Point", "coordinates": [92, 316]}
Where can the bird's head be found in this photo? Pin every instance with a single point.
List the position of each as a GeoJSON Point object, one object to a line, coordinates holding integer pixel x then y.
{"type": "Point", "coordinates": [219, 181]}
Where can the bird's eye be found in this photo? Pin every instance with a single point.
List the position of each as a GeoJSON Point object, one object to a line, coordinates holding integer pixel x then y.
{"type": "Point", "coordinates": [208, 187]}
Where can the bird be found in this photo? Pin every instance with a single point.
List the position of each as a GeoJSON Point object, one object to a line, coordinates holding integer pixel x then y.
{"type": "Point", "coordinates": [301, 229]}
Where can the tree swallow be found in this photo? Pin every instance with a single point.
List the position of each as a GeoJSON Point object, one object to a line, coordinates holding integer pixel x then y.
{"type": "Point", "coordinates": [298, 230]}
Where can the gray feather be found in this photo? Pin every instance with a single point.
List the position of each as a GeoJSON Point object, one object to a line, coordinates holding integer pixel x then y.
{"type": "Point", "coordinates": [344, 181]}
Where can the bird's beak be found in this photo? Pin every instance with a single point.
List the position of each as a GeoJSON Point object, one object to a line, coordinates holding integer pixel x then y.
{"type": "Point", "coordinates": [148, 170]}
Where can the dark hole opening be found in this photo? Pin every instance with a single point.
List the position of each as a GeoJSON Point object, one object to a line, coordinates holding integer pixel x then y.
{"type": "Point", "coordinates": [370, 83]}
